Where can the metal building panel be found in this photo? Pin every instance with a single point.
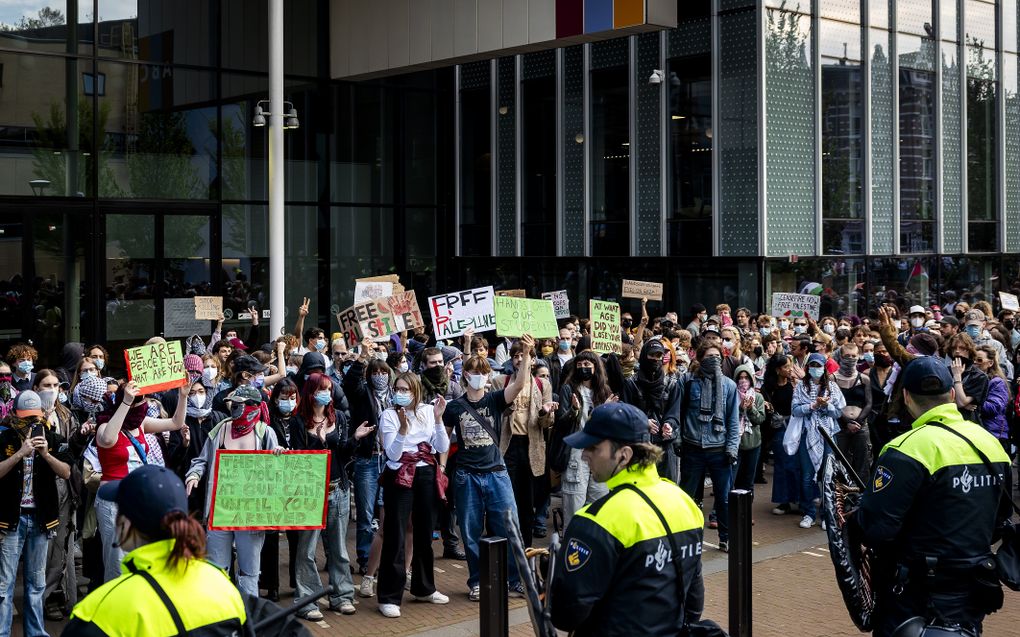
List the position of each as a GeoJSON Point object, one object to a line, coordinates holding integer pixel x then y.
{"type": "Point", "coordinates": [574, 145]}
{"type": "Point", "coordinates": [466, 30]}
{"type": "Point", "coordinates": [1012, 130]}
{"type": "Point", "coordinates": [442, 28]}
{"type": "Point", "coordinates": [506, 166]}
{"type": "Point", "coordinates": [399, 35]}
{"type": "Point", "coordinates": [490, 25]}
{"type": "Point", "coordinates": [690, 37]}
{"type": "Point", "coordinates": [952, 149]}
{"type": "Point", "coordinates": [541, 20]}
{"type": "Point", "coordinates": [598, 15]}
{"type": "Point", "coordinates": [648, 148]}
{"type": "Point", "coordinates": [420, 35]}
{"type": "Point", "coordinates": [515, 22]}
{"type": "Point", "coordinates": [883, 172]}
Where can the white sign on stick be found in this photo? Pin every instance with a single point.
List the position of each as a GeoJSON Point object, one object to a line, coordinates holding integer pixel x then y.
{"type": "Point", "coordinates": [457, 312]}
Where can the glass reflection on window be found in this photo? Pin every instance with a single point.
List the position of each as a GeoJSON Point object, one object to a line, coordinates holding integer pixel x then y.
{"type": "Point", "coordinates": [690, 157]}
{"type": "Point", "coordinates": [610, 161]}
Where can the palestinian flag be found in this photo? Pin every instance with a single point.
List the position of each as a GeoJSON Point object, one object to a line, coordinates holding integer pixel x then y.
{"type": "Point", "coordinates": [918, 275]}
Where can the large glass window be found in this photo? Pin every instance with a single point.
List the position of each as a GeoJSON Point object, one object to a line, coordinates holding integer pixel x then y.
{"type": "Point", "coordinates": [538, 167]}
{"type": "Point", "coordinates": [842, 119]}
{"type": "Point", "coordinates": [690, 156]}
{"type": "Point", "coordinates": [178, 32]}
{"type": "Point", "coordinates": [475, 172]}
{"type": "Point", "coordinates": [842, 282]}
{"type": "Point", "coordinates": [363, 170]}
{"type": "Point", "coordinates": [982, 167]}
{"type": "Point", "coordinates": [902, 281]}
{"type": "Point", "coordinates": [915, 45]}
{"type": "Point", "coordinates": [46, 25]}
{"type": "Point", "coordinates": [361, 244]}
{"type": "Point", "coordinates": [610, 163]}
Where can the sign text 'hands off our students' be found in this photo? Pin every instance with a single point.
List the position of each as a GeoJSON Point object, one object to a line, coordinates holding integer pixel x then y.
{"type": "Point", "coordinates": [457, 312]}
{"type": "Point", "coordinates": [255, 490]}
{"type": "Point", "coordinates": [605, 327]}
{"type": "Point", "coordinates": [516, 317]}
{"type": "Point", "coordinates": [156, 367]}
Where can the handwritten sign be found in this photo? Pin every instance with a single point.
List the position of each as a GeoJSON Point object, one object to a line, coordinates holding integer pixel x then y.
{"type": "Point", "coordinates": [179, 319]}
{"type": "Point", "coordinates": [516, 317]}
{"type": "Point", "coordinates": [1009, 301]}
{"type": "Point", "coordinates": [641, 290]}
{"type": "Point", "coordinates": [208, 308]}
{"type": "Point", "coordinates": [257, 490]}
{"type": "Point", "coordinates": [560, 301]}
{"type": "Point", "coordinates": [379, 318]}
{"type": "Point", "coordinates": [457, 312]}
{"type": "Point", "coordinates": [795, 305]}
{"type": "Point", "coordinates": [369, 290]}
{"type": "Point", "coordinates": [518, 294]}
{"type": "Point", "coordinates": [156, 367]}
{"type": "Point", "coordinates": [605, 327]}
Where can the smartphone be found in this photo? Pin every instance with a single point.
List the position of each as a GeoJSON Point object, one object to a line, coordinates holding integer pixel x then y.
{"type": "Point", "coordinates": [37, 430]}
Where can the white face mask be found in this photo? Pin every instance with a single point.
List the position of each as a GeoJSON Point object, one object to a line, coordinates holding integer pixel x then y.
{"type": "Point", "coordinates": [917, 322]}
{"type": "Point", "coordinates": [402, 367]}
{"type": "Point", "coordinates": [829, 328]}
{"type": "Point", "coordinates": [477, 381]}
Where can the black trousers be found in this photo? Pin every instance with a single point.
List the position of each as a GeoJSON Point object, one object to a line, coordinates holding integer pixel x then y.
{"type": "Point", "coordinates": [419, 505]}
{"type": "Point", "coordinates": [447, 512]}
{"type": "Point", "coordinates": [522, 480]}
{"type": "Point", "coordinates": [269, 560]}
{"type": "Point", "coordinates": [891, 610]}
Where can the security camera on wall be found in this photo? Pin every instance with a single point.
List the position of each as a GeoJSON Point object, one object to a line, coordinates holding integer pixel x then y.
{"type": "Point", "coordinates": [658, 75]}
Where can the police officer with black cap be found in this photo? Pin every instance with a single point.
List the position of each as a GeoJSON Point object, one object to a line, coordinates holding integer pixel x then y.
{"type": "Point", "coordinates": [931, 512]}
{"type": "Point", "coordinates": [631, 561]}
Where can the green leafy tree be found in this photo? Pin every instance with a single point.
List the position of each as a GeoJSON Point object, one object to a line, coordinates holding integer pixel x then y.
{"type": "Point", "coordinates": [47, 17]}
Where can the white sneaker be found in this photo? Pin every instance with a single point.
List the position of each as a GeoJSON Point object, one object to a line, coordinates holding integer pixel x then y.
{"type": "Point", "coordinates": [407, 582]}
{"type": "Point", "coordinates": [435, 598]}
{"type": "Point", "coordinates": [806, 522]}
{"type": "Point", "coordinates": [389, 610]}
{"type": "Point", "coordinates": [475, 594]}
{"type": "Point", "coordinates": [367, 586]}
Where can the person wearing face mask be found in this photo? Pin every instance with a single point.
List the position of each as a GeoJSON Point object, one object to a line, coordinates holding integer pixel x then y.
{"type": "Point", "coordinates": [22, 358]}
{"type": "Point", "coordinates": [243, 429]}
{"type": "Point", "coordinates": [564, 353]}
{"type": "Point", "coordinates": [1009, 321]}
{"type": "Point", "coordinates": [367, 386]}
{"type": "Point", "coordinates": [123, 447]}
{"type": "Point", "coordinates": [61, 583]}
{"type": "Point", "coordinates": [752, 417]}
{"type": "Point", "coordinates": [699, 314]}
{"type": "Point", "coordinates": [828, 325]}
{"type": "Point", "coordinates": [915, 321]}
{"type": "Point", "coordinates": [318, 426]}
{"type": "Point", "coordinates": [247, 371]}
{"type": "Point", "coordinates": [708, 420]}
{"type": "Point", "coordinates": [974, 326]}
{"type": "Point", "coordinates": [817, 403]}
{"type": "Point", "coordinates": [732, 355]}
{"type": "Point", "coordinates": [743, 321]}
{"type": "Point", "coordinates": [969, 382]}
{"type": "Point", "coordinates": [650, 391]}
{"type": "Point", "coordinates": [854, 437]}
{"type": "Point", "coordinates": [484, 490]}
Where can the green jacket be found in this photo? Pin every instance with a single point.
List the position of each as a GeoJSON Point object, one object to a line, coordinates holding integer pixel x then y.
{"type": "Point", "coordinates": [615, 556]}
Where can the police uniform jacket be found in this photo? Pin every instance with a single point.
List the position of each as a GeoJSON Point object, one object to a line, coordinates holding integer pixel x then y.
{"type": "Point", "coordinates": [208, 603]}
{"type": "Point", "coordinates": [932, 496]}
{"type": "Point", "coordinates": [614, 574]}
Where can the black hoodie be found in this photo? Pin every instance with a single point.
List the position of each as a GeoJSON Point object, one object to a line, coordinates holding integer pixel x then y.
{"type": "Point", "coordinates": [70, 356]}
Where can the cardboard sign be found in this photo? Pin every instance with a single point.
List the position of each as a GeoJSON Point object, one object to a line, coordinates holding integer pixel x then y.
{"type": "Point", "coordinates": [392, 279]}
{"type": "Point", "coordinates": [560, 301]}
{"type": "Point", "coordinates": [517, 316]}
{"type": "Point", "coordinates": [370, 290]}
{"type": "Point", "coordinates": [795, 305]}
{"type": "Point", "coordinates": [1009, 301]}
{"type": "Point", "coordinates": [605, 327]}
{"type": "Point", "coordinates": [257, 490]}
{"type": "Point", "coordinates": [156, 367]}
{"type": "Point", "coordinates": [517, 294]}
{"type": "Point", "coordinates": [208, 308]}
{"type": "Point", "coordinates": [641, 290]}
{"type": "Point", "coordinates": [379, 318]}
{"type": "Point", "coordinates": [457, 312]}
{"type": "Point", "coordinates": [179, 320]}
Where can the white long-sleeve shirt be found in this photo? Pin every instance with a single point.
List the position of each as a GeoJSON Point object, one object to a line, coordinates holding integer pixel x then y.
{"type": "Point", "coordinates": [421, 427]}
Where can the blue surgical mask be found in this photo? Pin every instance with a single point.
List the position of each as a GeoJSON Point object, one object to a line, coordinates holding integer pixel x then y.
{"type": "Point", "coordinates": [765, 331]}
{"type": "Point", "coordinates": [286, 406]}
{"type": "Point", "coordinates": [816, 372]}
{"type": "Point", "coordinates": [565, 345]}
{"type": "Point", "coordinates": [87, 374]}
{"type": "Point", "coordinates": [868, 357]}
{"type": "Point", "coordinates": [401, 400]}
{"type": "Point", "coordinates": [974, 331]}
{"type": "Point", "coordinates": [323, 397]}
{"type": "Point", "coordinates": [799, 329]}
{"type": "Point", "coordinates": [26, 367]}
{"type": "Point", "coordinates": [292, 370]}
{"type": "Point", "coordinates": [100, 363]}
{"type": "Point", "coordinates": [258, 382]}
{"type": "Point", "coordinates": [320, 345]}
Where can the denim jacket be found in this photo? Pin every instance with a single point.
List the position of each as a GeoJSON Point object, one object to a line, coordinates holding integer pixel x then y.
{"type": "Point", "coordinates": [704, 434]}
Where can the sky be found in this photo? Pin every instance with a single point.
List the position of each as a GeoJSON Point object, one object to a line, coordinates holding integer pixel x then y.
{"type": "Point", "coordinates": [11, 11]}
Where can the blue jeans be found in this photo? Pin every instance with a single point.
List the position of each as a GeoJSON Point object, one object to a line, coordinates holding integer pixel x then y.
{"type": "Point", "coordinates": [338, 564]}
{"type": "Point", "coordinates": [693, 466]}
{"type": "Point", "coordinates": [249, 548]}
{"type": "Point", "coordinates": [482, 499]}
{"type": "Point", "coordinates": [106, 522]}
{"type": "Point", "coordinates": [366, 497]}
{"type": "Point", "coordinates": [28, 543]}
{"type": "Point", "coordinates": [808, 485]}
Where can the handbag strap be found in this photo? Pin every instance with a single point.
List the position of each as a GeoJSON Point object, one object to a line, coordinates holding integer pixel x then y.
{"type": "Point", "coordinates": [481, 420]}
{"type": "Point", "coordinates": [138, 448]}
{"type": "Point", "coordinates": [984, 459]}
{"type": "Point", "coordinates": [163, 597]}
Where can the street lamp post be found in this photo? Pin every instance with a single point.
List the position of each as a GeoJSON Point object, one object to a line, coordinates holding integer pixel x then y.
{"type": "Point", "coordinates": [277, 240]}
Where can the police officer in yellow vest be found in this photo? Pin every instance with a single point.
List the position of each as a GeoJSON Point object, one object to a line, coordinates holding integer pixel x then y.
{"type": "Point", "coordinates": [166, 588]}
{"type": "Point", "coordinates": [931, 511]}
{"type": "Point", "coordinates": [620, 570]}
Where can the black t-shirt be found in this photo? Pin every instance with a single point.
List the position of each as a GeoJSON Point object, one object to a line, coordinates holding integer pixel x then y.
{"type": "Point", "coordinates": [477, 452]}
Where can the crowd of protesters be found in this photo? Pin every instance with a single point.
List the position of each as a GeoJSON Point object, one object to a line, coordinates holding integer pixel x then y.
{"type": "Point", "coordinates": [433, 441]}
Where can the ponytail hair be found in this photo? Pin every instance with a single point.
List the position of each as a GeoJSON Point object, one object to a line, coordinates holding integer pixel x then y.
{"type": "Point", "coordinates": [189, 535]}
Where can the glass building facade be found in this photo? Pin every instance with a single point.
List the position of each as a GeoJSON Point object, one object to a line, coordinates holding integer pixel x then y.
{"type": "Point", "coordinates": [872, 147]}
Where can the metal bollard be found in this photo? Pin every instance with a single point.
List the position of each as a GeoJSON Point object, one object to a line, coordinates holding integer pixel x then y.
{"type": "Point", "coordinates": [740, 563]}
{"type": "Point", "coordinates": [493, 619]}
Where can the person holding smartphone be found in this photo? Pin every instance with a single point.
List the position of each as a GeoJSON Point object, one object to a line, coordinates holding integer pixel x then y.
{"type": "Point", "coordinates": [31, 463]}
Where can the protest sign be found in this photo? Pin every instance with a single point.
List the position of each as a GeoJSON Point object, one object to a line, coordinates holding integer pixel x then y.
{"type": "Point", "coordinates": [156, 367]}
{"type": "Point", "coordinates": [392, 279]}
{"type": "Point", "coordinates": [560, 301]}
{"type": "Point", "coordinates": [642, 290]}
{"type": "Point", "coordinates": [519, 294]}
{"type": "Point", "coordinates": [1009, 301]}
{"type": "Point", "coordinates": [208, 308]}
{"type": "Point", "coordinates": [457, 312]}
{"type": "Point", "coordinates": [605, 327]}
{"type": "Point", "coordinates": [179, 319]}
{"type": "Point", "coordinates": [258, 490]}
{"type": "Point", "coordinates": [795, 305]}
{"type": "Point", "coordinates": [379, 318]}
{"type": "Point", "coordinates": [516, 317]}
{"type": "Point", "coordinates": [369, 290]}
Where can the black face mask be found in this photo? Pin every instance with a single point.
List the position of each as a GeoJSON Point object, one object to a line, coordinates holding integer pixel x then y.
{"type": "Point", "coordinates": [585, 373]}
{"type": "Point", "coordinates": [626, 322]}
{"type": "Point", "coordinates": [965, 360]}
{"type": "Point", "coordinates": [435, 375]}
{"type": "Point", "coordinates": [1008, 324]}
